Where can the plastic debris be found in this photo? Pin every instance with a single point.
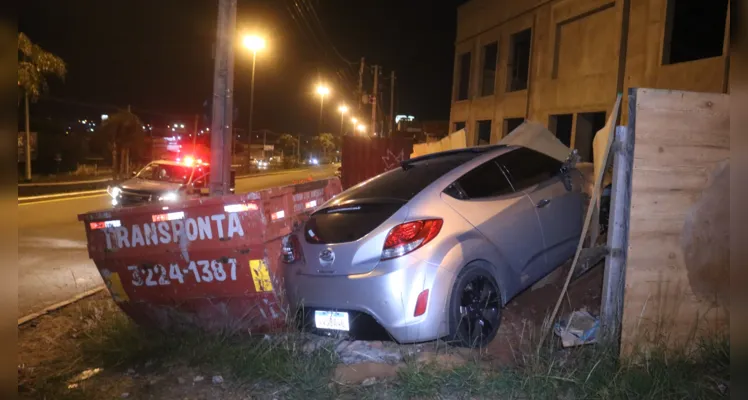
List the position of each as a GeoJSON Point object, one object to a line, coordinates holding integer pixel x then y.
{"type": "Point", "coordinates": [578, 329]}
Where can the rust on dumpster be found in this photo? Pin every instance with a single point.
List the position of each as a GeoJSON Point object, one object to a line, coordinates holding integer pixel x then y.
{"type": "Point", "coordinates": [212, 263]}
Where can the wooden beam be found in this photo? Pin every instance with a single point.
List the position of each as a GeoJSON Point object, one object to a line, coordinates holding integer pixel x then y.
{"type": "Point", "coordinates": [614, 276]}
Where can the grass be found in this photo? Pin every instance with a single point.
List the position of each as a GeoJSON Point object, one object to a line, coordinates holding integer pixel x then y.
{"type": "Point", "coordinates": [583, 373]}
{"type": "Point", "coordinates": [109, 340]}
{"type": "Point", "coordinates": [95, 334]}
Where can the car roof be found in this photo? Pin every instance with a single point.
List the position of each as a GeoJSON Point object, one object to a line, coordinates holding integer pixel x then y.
{"type": "Point", "coordinates": [474, 150]}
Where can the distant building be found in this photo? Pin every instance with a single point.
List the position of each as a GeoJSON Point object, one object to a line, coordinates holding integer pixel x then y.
{"type": "Point", "coordinates": [421, 131]}
{"type": "Point", "coordinates": [562, 62]}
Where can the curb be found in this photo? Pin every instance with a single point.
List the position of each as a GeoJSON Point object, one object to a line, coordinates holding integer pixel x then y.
{"type": "Point", "coordinates": [56, 306]}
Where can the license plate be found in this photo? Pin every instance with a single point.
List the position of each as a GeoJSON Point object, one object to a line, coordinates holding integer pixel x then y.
{"type": "Point", "coordinates": [331, 320]}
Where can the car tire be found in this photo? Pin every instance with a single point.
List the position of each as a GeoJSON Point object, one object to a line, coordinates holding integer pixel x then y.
{"type": "Point", "coordinates": [474, 308]}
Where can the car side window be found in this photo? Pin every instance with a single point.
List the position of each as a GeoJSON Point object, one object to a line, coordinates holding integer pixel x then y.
{"type": "Point", "coordinates": [486, 180]}
{"type": "Point", "coordinates": [527, 167]}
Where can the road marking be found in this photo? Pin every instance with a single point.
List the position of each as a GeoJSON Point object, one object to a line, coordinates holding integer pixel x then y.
{"type": "Point", "coordinates": [63, 183]}
{"type": "Point", "coordinates": [29, 203]}
{"type": "Point", "coordinates": [61, 304]}
{"type": "Point", "coordinates": [55, 195]}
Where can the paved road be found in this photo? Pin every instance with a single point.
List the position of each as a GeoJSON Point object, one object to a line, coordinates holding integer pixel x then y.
{"type": "Point", "coordinates": [52, 256]}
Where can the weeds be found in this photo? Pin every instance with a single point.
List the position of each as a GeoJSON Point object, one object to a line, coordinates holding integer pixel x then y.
{"type": "Point", "coordinates": [99, 335]}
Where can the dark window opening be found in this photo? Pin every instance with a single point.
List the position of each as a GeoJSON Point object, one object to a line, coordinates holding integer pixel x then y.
{"type": "Point", "coordinates": [528, 167]}
{"type": "Point", "coordinates": [484, 133]}
{"type": "Point", "coordinates": [519, 62]}
{"type": "Point", "coordinates": [511, 124]}
{"type": "Point", "coordinates": [463, 73]}
{"type": "Point", "coordinates": [560, 125]}
{"type": "Point", "coordinates": [587, 126]}
{"type": "Point", "coordinates": [694, 30]}
{"type": "Point", "coordinates": [459, 125]}
{"type": "Point", "coordinates": [488, 77]}
{"type": "Point", "coordinates": [486, 180]}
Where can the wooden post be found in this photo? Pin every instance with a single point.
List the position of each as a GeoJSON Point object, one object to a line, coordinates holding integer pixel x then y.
{"type": "Point", "coordinates": [614, 277]}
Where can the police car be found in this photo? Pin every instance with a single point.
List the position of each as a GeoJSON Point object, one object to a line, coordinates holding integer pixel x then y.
{"type": "Point", "coordinates": [165, 181]}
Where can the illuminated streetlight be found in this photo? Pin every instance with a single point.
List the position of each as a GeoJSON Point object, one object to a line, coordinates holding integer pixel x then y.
{"type": "Point", "coordinates": [252, 43]}
{"type": "Point", "coordinates": [322, 91]}
{"type": "Point", "coordinates": [343, 109]}
{"type": "Point", "coordinates": [361, 128]}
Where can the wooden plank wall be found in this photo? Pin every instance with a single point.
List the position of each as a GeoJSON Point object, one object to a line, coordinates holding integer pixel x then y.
{"type": "Point", "coordinates": [677, 273]}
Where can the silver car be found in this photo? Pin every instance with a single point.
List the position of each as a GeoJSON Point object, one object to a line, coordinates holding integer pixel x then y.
{"type": "Point", "coordinates": [435, 248]}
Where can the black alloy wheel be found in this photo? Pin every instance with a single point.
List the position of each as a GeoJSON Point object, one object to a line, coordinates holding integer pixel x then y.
{"type": "Point", "coordinates": [475, 312]}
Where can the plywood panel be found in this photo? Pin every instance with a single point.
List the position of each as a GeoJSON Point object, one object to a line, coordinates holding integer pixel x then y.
{"type": "Point", "coordinates": [677, 264]}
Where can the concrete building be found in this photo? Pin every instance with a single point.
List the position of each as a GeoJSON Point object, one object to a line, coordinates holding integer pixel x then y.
{"type": "Point", "coordinates": [562, 62]}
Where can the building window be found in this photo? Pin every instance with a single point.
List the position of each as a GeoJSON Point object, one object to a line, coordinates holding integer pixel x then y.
{"type": "Point", "coordinates": [519, 61]}
{"type": "Point", "coordinates": [587, 125]}
{"type": "Point", "coordinates": [463, 77]}
{"type": "Point", "coordinates": [694, 30]}
{"type": "Point", "coordinates": [459, 125]}
{"type": "Point", "coordinates": [488, 75]}
{"type": "Point", "coordinates": [560, 125]}
{"type": "Point", "coordinates": [484, 133]}
{"type": "Point", "coordinates": [511, 124]}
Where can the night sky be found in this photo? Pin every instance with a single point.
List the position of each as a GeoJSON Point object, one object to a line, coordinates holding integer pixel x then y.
{"type": "Point", "coordinates": [156, 56]}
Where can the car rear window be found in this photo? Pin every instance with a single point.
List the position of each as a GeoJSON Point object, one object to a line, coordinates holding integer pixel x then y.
{"type": "Point", "coordinates": [360, 210]}
{"type": "Point", "coordinates": [404, 183]}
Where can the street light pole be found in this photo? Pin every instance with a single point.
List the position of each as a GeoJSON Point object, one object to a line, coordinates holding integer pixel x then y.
{"type": "Point", "coordinates": [253, 44]}
{"type": "Point", "coordinates": [322, 91]}
{"type": "Point", "coordinates": [251, 111]}
{"type": "Point", "coordinates": [321, 105]}
{"type": "Point", "coordinates": [343, 109]}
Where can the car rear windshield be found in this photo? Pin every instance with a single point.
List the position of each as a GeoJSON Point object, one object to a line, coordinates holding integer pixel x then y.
{"type": "Point", "coordinates": [404, 183]}
{"type": "Point", "coordinates": [360, 210]}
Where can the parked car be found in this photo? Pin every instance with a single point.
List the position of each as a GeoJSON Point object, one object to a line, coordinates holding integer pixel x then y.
{"type": "Point", "coordinates": [436, 247]}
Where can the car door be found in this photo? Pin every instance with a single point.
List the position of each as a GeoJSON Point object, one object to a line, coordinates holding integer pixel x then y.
{"type": "Point", "coordinates": [504, 216]}
{"type": "Point", "coordinates": [559, 209]}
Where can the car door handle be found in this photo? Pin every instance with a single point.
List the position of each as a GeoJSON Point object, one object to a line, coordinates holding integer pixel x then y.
{"type": "Point", "coordinates": [543, 203]}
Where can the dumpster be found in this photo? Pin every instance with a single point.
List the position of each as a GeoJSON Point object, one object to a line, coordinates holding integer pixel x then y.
{"type": "Point", "coordinates": [366, 157]}
{"type": "Point", "coordinates": [212, 263]}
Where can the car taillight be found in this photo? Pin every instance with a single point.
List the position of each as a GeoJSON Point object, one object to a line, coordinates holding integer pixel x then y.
{"type": "Point", "coordinates": [409, 236]}
{"type": "Point", "coordinates": [290, 249]}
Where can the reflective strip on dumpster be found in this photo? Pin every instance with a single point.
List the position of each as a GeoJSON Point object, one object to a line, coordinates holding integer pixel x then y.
{"type": "Point", "coordinates": [213, 263]}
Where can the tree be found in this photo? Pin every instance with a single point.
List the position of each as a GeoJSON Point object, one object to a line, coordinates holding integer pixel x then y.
{"type": "Point", "coordinates": [34, 64]}
{"type": "Point", "coordinates": [286, 141]}
{"type": "Point", "coordinates": [326, 141]}
{"type": "Point", "coordinates": [123, 135]}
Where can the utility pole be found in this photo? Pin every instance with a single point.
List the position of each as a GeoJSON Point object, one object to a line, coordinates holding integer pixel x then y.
{"type": "Point", "coordinates": [360, 83]}
{"type": "Point", "coordinates": [223, 96]}
{"type": "Point", "coordinates": [374, 91]}
{"type": "Point", "coordinates": [392, 101]}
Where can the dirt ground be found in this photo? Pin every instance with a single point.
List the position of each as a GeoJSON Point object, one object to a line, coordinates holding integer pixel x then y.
{"type": "Point", "coordinates": [53, 346]}
{"type": "Point", "coordinates": [523, 317]}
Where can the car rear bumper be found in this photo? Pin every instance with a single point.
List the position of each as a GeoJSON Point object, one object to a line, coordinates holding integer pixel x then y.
{"type": "Point", "coordinates": [388, 295]}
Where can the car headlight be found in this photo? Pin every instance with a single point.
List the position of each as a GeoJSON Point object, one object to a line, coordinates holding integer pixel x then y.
{"type": "Point", "coordinates": [114, 191]}
{"type": "Point", "coordinates": [170, 196]}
